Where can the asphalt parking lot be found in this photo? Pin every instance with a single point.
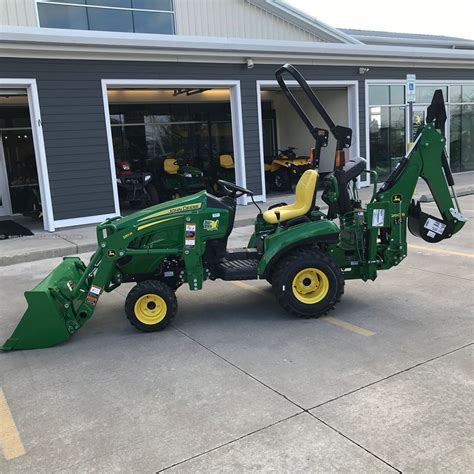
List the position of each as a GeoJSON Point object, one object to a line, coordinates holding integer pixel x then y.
{"type": "Point", "coordinates": [382, 384]}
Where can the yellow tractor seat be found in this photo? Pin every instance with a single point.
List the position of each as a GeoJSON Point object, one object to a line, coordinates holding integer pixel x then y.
{"type": "Point", "coordinates": [170, 166]}
{"type": "Point", "coordinates": [226, 161]}
{"type": "Point", "coordinates": [304, 200]}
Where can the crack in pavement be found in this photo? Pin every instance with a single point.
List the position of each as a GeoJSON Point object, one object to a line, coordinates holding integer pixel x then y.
{"type": "Point", "coordinates": [354, 442]}
{"type": "Point", "coordinates": [392, 375]}
{"type": "Point", "coordinates": [230, 442]}
{"type": "Point", "coordinates": [303, 410]}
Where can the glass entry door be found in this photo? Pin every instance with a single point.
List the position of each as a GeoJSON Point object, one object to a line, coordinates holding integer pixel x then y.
{"type": "Point", "coordinates": [5, 205]}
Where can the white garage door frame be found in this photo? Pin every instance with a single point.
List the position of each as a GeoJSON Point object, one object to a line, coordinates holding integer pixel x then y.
{"type": "Point", "coordinates": [352, 107]}
{"type": "Point", "coordinates": [38, 142]}
{"type": "Point", "coordinates": [235, 109]}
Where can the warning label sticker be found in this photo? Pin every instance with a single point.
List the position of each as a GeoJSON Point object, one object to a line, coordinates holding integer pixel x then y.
{"type": "Point", "coordinates": [434, 226]}
{"type": "Point", "coordinates": [378, 217]}
{"type": "Point", "coordinates": [93, 295]}
{"type": "Point", "coordinates": [190, 235]}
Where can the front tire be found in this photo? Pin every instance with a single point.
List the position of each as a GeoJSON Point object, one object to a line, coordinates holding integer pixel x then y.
{"type": "Point", "coordinates": [151, 305]}
{"type": "Point", "coordinates": [308, 282]}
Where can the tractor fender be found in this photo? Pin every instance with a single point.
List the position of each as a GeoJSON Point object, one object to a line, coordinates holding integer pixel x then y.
{"type": "Point", "coordinates": [277, 245]}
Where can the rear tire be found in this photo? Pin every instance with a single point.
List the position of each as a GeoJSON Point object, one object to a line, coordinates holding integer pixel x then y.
{"type": "Point", "coordinates": [308, 282]}
{"type": "Point", "coordinates": [151, 305]}
{"type": "Point", "coordinates": [152, 195]}
{"type": "Point", "coordinates": [281, 180]}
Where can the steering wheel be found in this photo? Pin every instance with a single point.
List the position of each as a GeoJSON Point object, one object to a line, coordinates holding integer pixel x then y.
{"type": "Point", "coordinates": [232, 190]}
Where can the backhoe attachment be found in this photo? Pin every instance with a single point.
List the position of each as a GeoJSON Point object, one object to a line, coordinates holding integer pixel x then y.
{"type": "Point", "coordinates": [437, 173]}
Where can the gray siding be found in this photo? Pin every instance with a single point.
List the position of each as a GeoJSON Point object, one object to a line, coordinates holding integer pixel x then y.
{"type": "Point", "coordinates": [74, 124]}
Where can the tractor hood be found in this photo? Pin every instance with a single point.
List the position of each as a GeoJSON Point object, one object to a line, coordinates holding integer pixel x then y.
{"type": "Point", "coordinates": [182, 205]}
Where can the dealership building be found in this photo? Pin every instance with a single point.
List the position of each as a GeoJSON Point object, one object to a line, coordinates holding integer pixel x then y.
{"type": "Point", "coordinates": [87, 83]}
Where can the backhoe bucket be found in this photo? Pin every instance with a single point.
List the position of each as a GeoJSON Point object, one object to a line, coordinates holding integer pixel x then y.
{"type": "Point", "coordinates": [50, 318]}
{"type": "Point", "coordinates": [430, 228]}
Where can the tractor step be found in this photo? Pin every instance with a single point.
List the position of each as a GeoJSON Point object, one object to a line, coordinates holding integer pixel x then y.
{"type": "Point", "coordinates": [243, 269]}
{"type": "Point", "coordinates": [242, 254]}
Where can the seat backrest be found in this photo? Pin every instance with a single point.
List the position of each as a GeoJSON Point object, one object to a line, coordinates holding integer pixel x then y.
{"type": "Point", "coordinates": [226, 161]}
{"type": "Point", "coordinates": [306, 190]}
{"type": "Point", "coordinates": [170, 166]}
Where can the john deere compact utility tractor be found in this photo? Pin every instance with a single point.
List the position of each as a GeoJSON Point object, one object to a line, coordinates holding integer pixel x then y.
{"type": "Point", "coordinates": [301, 251]}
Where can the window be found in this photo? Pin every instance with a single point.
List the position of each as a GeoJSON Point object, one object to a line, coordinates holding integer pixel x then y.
{"type": "Point", "coordinates": [134, 16]}
{"type": "Point", "coordinates": [461, 116]}
{"type": "Point", "coordinates": [388, 115]}
{"type": "Point", "coordinates": [386, 127]}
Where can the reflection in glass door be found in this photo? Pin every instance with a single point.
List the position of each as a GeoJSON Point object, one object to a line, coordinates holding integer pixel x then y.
{"type": "Point", "coordinates": [387, 139]}
{"type": "Point", "coordinates": [5, 206]}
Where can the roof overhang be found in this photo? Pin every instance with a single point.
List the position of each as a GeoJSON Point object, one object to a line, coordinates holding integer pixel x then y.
{"type": "Point", "coordinates": [418, 42]}
{"type": "Point", "coordinates": [22, 42]}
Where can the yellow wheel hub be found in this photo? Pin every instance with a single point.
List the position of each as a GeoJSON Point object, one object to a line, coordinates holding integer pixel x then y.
{"type": "Point", "coordinates": [310, 285]}
{"type": "Point", "coordinates": [150, 309]}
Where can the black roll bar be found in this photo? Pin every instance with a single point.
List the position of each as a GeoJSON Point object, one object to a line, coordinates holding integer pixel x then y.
{"type": "Point", "coordinates": [343, 135]}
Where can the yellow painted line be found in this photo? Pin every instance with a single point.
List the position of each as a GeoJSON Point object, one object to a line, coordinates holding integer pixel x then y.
{"type": "Point", "coordinates": [446, 252]}
{"type": "Point", "coordinates": [337, 322]}
{"type": "Point", "coordinates": [10, 440]}
{"type": "Point", "coordinates": [350, 327]}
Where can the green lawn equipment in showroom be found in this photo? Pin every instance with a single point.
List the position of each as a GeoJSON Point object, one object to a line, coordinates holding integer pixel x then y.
{"type": "Point", "coordinates": [300, 250]}
{"type": "Point", "coordinates": [179, 177]}
{"type": "Point", "coordinates": [284, 171]}
{"type": "Point", "coordinates": [221, 167]}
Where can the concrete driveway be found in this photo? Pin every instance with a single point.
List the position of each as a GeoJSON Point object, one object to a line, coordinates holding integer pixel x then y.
{"type": "Point", "coordinates": [236, 385]}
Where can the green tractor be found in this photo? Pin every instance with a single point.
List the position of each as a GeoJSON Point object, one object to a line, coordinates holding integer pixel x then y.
{"type": "Point", "coordinates": [179, 177]}
{"type": "Point", "coordinates": [301, 251]}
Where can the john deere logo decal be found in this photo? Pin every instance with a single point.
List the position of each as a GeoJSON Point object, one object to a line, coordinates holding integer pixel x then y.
{"type": "Point", "coordinates": [397, 198]}
{"type": "Point", "coordinates": [211, 225]}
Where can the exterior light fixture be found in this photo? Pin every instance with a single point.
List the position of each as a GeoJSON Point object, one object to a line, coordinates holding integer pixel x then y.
{"type": "Point", "coordinates": [250, 63]}
{"type": "Point", "coordinates": [364, 70]}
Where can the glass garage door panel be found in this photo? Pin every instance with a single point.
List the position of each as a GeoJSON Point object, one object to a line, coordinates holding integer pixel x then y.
{"type": "Point", "coordinates": [461, 148]}
{"type": "Point", "coordinates": [387, 138]}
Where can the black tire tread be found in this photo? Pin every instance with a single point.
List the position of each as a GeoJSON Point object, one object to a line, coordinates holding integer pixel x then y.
{"type": "Point", "coordinates": [151, 286]}
{"type": "Point", "coordinates": [280, 273]}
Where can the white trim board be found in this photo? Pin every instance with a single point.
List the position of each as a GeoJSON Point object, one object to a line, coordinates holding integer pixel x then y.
{"type": "Point", "coordinates": [38, 141]}
{"type": "Point", "coordinates": [97, 45]}
{"type": "Point", "coordinates": [236, 114]}
{"type": "Point", "coordinates": [352, 109]}
{"type": "Point", "coordinates": [75, 221]}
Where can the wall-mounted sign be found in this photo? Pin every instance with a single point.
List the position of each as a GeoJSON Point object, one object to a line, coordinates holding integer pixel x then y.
{"type": "Point", "coordinates": [411, 88]}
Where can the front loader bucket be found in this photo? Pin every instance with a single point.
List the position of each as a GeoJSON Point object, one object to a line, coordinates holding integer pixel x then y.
{"type": "Point", "coordinates": [49, 319]}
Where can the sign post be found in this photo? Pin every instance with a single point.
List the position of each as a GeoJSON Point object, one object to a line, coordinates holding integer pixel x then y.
{"type": "Point", "coordinates": [410, 98]}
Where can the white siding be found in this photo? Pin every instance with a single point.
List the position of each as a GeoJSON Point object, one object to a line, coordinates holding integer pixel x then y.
{"type": "Point", "coordinates": [234, 19]}
{"type": "Point", "coordinates": [225, 18]}
{"type": "Point", "coordinates": [18, 13]}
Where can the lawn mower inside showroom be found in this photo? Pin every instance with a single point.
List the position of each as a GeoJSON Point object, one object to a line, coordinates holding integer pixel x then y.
{"type": "Point", "coordinates": [305, 254]}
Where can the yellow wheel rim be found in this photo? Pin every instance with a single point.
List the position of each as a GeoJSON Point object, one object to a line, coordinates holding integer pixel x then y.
{"type": "Point", "coordinates": [310, 285]}
{"type": "Point", "coordinates": [150, 309]}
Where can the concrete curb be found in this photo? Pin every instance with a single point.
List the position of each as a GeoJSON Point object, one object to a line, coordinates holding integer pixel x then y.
{"type": "Point", "coordinates": [465, 191]}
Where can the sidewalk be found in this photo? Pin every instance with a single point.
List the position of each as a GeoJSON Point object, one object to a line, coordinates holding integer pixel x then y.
{"type": "Point", "coordinates": [76, 240]}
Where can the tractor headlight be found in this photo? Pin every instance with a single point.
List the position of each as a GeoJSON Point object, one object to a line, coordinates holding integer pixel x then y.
{"type": "Point", "coordinates": [188, 175]}
{"type": "Point", "coordinates": [147, 178]}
